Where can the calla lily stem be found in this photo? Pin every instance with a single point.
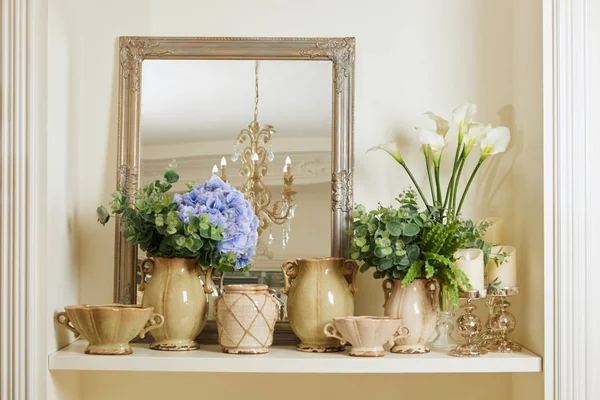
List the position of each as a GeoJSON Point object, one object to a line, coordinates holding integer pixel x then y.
{"type": "Point", "coordinates": [462, 199]}
{"type": "Point", "coordinates": [437, 183]}
{"type": "Point", "coordinates": [461, 163]}
{"type": "Point", "coordinates": [427, 162]}
{"type": "Point", "coordinates": [450, 188]}
{"type": "Point", "coordinates": [412, 178]}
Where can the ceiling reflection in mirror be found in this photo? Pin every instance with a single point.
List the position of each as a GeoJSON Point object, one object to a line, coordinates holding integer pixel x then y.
{"type": "Point", "coordinates": [248, 118]}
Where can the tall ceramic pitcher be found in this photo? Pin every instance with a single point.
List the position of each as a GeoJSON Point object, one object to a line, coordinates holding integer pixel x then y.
{"type": "Point", "coordinates": [318, 291]}
{"type": "Point", "coordinates": [175, 291]}
{"type": "Point", "coordinates": [417, 306]}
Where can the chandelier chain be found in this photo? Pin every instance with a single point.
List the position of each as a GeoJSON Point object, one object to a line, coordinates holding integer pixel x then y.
{"type": "Point", "coordinates": [256, 91]}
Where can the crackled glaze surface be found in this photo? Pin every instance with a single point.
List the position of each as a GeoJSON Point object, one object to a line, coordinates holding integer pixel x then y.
{"type": "Point", "coordinates": [109, 328]}
{"type": "Point", "coordinates": [417, 306]}
{"type": "Point", "coordinates": [366, 334]}
{"type": "Point", "coordinates": [176, 292]}
{"type": "Point", "coordinates": [319, 292]}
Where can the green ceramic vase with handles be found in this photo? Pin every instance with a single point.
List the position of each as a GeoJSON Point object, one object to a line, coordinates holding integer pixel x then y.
{"type": "Point", "coordinates": [176, 292]}
{"type": "Point", "coordinates": [318, 291]}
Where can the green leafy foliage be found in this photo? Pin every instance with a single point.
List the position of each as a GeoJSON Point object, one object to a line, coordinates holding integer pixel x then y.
{"type": "Point", "coordinates": [406, 243]}
{"type": "Point", "coordinates": [151, 222]}
{"type": "Point", "coordinates": [386, 238]}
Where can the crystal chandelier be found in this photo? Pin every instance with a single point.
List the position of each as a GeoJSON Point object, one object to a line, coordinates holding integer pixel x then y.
{"type": "Point", "coordinates": [255, 157]}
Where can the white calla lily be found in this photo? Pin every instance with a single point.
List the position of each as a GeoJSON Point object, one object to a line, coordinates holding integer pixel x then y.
{"type": "Point", "coordinates": [435, 142]}
{"type": "Point", "coordinates": [441, 125]}
{"type": "Point", "coordinates": [432, 139]}
{"type": "Point", "coordinates": [495, 141]}
{"type": "Point", "coordinates": [392, 149]}
{"type": "Point", "coordinates": [474, 135]}
{"type": "Point", "coordinates": [462, 116]}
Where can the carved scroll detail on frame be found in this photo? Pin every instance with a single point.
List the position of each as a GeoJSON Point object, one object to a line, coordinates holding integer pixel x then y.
{"type": "Point", "coordinates": [128, 180]}
{"type": "Point", "coordinates": [132, 52]}
{"type": "Point", "coordinates": [341, 52]}
{"type": "Point", "coordinates": [341, 191]}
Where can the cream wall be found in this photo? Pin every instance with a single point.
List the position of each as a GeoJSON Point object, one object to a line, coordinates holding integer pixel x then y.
{"type": "Point", "coordinates": [411, 57]}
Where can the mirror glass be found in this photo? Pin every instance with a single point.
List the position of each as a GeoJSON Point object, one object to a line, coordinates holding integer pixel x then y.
{"type": "Point", "coordinates": [192, 111]}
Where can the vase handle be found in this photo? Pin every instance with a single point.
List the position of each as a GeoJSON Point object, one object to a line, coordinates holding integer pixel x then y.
{"type": "Point", "coordinates": [209, 285]}
{"type": "Point", "coordinates": [386, 285]}
{"type": "Point", "coordinates": [279, 304]}
{"type": "Point", "coordinates": [155, 321]}
{"type": "Point", "coordinates": [290, 270]}
{"type": "Point", "coordinates": [352, 272]}
{"type": "Point", "coordinates": [146, 271]}
{"type": "Point", "coordinates": [401, 333]}
{"type": "Point", "coordinates": [433, 286]}
{"type": "Point", "coordinates": [62, 319]}
{"type": "Point", "coordinates": [331, 332]}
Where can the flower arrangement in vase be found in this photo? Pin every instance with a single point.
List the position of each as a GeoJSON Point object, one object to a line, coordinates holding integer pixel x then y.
{"type": "Point", "coordinates": [211, 226]}
{"type": "Point", "coordinates": [412, 243]}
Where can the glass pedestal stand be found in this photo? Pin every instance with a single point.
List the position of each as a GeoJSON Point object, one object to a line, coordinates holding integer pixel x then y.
{"type": "Point", "coordinates": [502, 323]}
{"type": "Point", "coordinates": [469, 327]}
{"type": "Point", "coordinates": [444, 338]}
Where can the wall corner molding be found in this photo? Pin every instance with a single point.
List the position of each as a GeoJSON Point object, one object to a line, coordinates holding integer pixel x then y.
{"type": "Point", "coordinates": [568, 34]}
{"type": "Point", "coordinates": [23, 365]}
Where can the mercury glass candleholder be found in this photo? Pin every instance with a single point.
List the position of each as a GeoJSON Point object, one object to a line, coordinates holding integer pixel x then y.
{"type": "Point", "coordinates": [469, 327]}
{"type": "Point", "coordinates": [502, 323]}
{"type": "Point", "coordinates": [486, 337]}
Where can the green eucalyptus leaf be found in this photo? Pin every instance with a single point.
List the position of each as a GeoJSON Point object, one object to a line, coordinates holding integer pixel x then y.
{"type": "Point", "coordinates": [171, 176]}
{"type": "Point", "coordinates": [385, 264]}
{"type": "Point", "coordinates": [360, 242]}
{"type": "Point", "coordinates": [379, 252]}
{"type": "Point", "coordinates": [411, 229]}
{"type": "Point", "coordinates": [103, 215]}
{"type": "Point", "coordinates": [394, 228]}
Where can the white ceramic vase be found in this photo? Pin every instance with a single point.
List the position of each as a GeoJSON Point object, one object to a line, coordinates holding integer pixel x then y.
{"type": "Point", "coordinates": [416, 305]}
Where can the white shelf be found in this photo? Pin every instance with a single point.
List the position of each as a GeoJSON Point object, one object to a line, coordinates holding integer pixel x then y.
{"type": "Point", "coordinates": [287, 360]}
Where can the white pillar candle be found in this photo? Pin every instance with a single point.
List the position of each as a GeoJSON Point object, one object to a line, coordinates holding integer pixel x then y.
{"type": "Point", "coordinates": [495, 231]}
{"type": "Point", "coordinates": [505, 271]}
{"type": "Point", "coordinates": [470, 261]}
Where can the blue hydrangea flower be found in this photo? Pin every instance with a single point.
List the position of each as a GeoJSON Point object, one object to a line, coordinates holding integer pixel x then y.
{"type": "Point", "coordinates": [228, 209]}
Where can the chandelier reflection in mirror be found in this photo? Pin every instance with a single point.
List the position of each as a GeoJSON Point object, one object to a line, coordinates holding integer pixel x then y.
{"type": "Point", "coordinates": [253, 145]}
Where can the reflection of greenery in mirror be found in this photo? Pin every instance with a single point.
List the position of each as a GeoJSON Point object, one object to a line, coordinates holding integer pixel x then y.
{"type": "Point", "coordinates": [195, 112]}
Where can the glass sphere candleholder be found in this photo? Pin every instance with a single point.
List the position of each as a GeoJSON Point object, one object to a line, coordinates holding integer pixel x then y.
{"type": "Point", "coordinates": [469, 326]}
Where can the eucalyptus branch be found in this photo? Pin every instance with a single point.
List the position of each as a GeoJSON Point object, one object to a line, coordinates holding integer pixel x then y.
{"type": "Point", "coordinates": [462, 199]}
{"type": "Point", "coordinates": [427, 163]}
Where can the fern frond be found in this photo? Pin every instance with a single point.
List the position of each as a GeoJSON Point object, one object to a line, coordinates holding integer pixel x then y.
{"type": "Point", "coordinates": [429, 270]}
{"type": "Point", "coordinates": [413, 273]}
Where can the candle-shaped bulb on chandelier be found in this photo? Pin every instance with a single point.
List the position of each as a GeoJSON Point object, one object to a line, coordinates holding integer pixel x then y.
{"type": "Point", "coordinates": [223, 169]}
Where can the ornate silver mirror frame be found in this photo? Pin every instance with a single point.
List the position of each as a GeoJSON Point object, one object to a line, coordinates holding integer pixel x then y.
{"type": "Point", "coordinates": [134, 50]}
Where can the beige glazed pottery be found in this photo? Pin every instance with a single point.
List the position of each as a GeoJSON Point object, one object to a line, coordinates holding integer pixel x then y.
{"type": "Point", "coordinates": [367, 335]}
{"type": "Point", "coordinates": [318, 291]}
{"type": "Point", "coordinates": [176, 292]}
{"type": "Point", "coordinates": [109, 328]}
{"type": "Point", "coordinates": [417, 306]}
{"type": "Point", "coordinates": [246, 317]}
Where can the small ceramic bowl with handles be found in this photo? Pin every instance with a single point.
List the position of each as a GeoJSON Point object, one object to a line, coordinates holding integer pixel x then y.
{"type": "Point", "coordinates": [109, 327]}
{"type": "Point", "coordinates": [367, 335]}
